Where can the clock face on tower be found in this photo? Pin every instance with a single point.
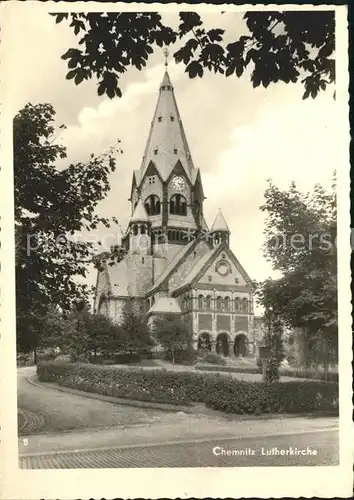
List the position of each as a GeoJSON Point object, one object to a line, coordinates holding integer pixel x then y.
{"type": "Point", "coordinates": [178, 182]}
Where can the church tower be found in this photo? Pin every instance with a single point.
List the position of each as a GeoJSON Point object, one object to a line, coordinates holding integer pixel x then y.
{"type": "Point", "coordinates": [167, 184]}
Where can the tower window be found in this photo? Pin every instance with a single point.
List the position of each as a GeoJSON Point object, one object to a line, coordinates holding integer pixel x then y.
{"type": "Point", "coordinates": [163, 87]}
{"type": "Point", "coordinates": [152, 205]}
{"type": "Point", "coordinates": [178, 205]}
{"type": "Point", "coordinates": [135, 229]}
{"type": "Point", "coordinates": [244, 305]}
{"type": "Point", "coordinates": [237, 281]}
{"type": "Point", "coordinates": [175, 151]}
{"type": "Point", "coordinates": [209, 278]}
{"type": "Point", "coordinates": [159, 119]}
{"type": "Point", "coordinates": [152, 179]}
{"type": "Point", "coordinates": [156, 151]}
{"type": "Point", "coordinates": [172, 118]}
{"type": "Point", "coordinates": [227, 304]}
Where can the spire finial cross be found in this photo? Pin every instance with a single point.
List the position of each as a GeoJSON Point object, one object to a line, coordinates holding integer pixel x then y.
{"type": "Point", "coordinates": [166, 53]}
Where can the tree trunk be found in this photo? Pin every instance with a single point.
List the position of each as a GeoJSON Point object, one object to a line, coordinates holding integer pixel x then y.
{"type": "Point", "coordinates": [35, 355]}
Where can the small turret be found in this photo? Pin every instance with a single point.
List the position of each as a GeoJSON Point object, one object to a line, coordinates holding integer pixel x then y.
{"type": "Point", "coordinates": [220, 230]}
{"type": "Point", "coordinates": [139, 230]}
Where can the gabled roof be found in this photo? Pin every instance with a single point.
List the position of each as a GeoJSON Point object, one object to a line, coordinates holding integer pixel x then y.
{"type": "Point", "coordinates": [174, 262]}
{"type": "Point", "coordinates": [219, 223]}
{"type": "Point", "coordinates": [139, 213]}
{"type": "Point", "coordinates": [167, 140]}
{"type": "Point", "coordinates": [194, 272]}
{"type": "Point", "coordinates": [165, 305]}
{"type": "Point", "coordinates": [202, 265]}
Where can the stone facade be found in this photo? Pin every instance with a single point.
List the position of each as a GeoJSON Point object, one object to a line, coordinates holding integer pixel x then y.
{"type": "Point", "coordinates": [171, 259]}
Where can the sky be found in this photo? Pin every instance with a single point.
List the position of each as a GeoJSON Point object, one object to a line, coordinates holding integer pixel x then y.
{"type": "Point", "coordinates": [239, 136]}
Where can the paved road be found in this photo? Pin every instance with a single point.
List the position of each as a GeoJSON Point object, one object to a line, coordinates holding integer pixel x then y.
{"type": "Point", "coordinates": [43, 410]}
{"type": "Point", "coordinates": [212, 453]}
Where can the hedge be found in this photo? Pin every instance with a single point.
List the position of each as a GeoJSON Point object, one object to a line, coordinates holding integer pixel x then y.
{"type": "Point", "coordinates": [215, 390]}
{"type": "Point", "coordinates": [285, 372]}
{"type": "Point", "coordinates": [310, 374]}
{"type": "Point", "coordinates": [214, 359]}
{"type": "Point", "coordinates": [230, 369]}
{"type": "Point", "coordinates": [281, 397]}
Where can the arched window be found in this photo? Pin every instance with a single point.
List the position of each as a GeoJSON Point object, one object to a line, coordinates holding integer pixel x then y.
{"type": "Point", "coordinates": [200, 302]}
{"type": "Point", "coordinates": [227, 304]}
{"type": "Point", "coordinates": [152, 205]}
{"type": "Point", "coordinates": [143, 229]}
{"type": "Point", "coordinates": [178, 205]}
{"type": "Point", "coordinates": [245, 305]}
{"type": "Point", "coordinates": [218, 303]}
{"type": "Point", "coordinates": [208, 303]}
{"type": "Point", "coordinates": [237, 304]}
{"type": "Point", "coordinates": [135, 229]}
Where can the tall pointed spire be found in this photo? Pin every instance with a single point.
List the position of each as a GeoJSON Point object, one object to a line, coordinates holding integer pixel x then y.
{"type": "Point", "coordinates": [167, 141]}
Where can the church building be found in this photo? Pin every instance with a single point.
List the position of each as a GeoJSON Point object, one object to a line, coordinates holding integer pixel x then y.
{"type": "Point", "coordinates": [172, 261]}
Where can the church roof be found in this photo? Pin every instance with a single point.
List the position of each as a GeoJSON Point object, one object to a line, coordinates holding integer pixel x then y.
{"type": "Point", "coordinates": [165, 305]}
{"type": "Point", "coordinates": [177, 258]}
{"type": "Point", "coordinates": [220, 223]}
{"type": "Point", "coordinates": [139, 213]}
{"type": "Point", "coordinates": [167, 142]}
{"type": "Point", "coordinates": [193, 273]}
{"type": "Point", "coordinates": [203, 264]}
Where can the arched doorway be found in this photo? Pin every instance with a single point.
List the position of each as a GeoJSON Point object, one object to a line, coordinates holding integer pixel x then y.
{"type": "Point", "coordinates": [204, 342]}
{"type": "Point", "coordinates": [240, 345]}
{"type": "Point", "coordinates": [222, 344]}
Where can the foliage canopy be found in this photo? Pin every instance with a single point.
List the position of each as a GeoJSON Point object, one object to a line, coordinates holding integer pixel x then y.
{"type": "Point", "coordinates": [288, 46]}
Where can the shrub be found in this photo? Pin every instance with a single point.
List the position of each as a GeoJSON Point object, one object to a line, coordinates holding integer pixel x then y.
{"type": "Point", "coordinates": [214, 359]}
{"type": "Point", "coordinates": [182, 357]}
{"type": "Point", "coordinates": [310, 374]}
{"type": "Point", "coordinates": [25, 359]}
{"type": "Point", "coordinates": [223, 368]}
{"type": "Point", "coordinates": [63, 357]}
{"type": "Point", "coordinates": [272, 370]}
{"type": "Point", "coordinates": [215, 390]}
